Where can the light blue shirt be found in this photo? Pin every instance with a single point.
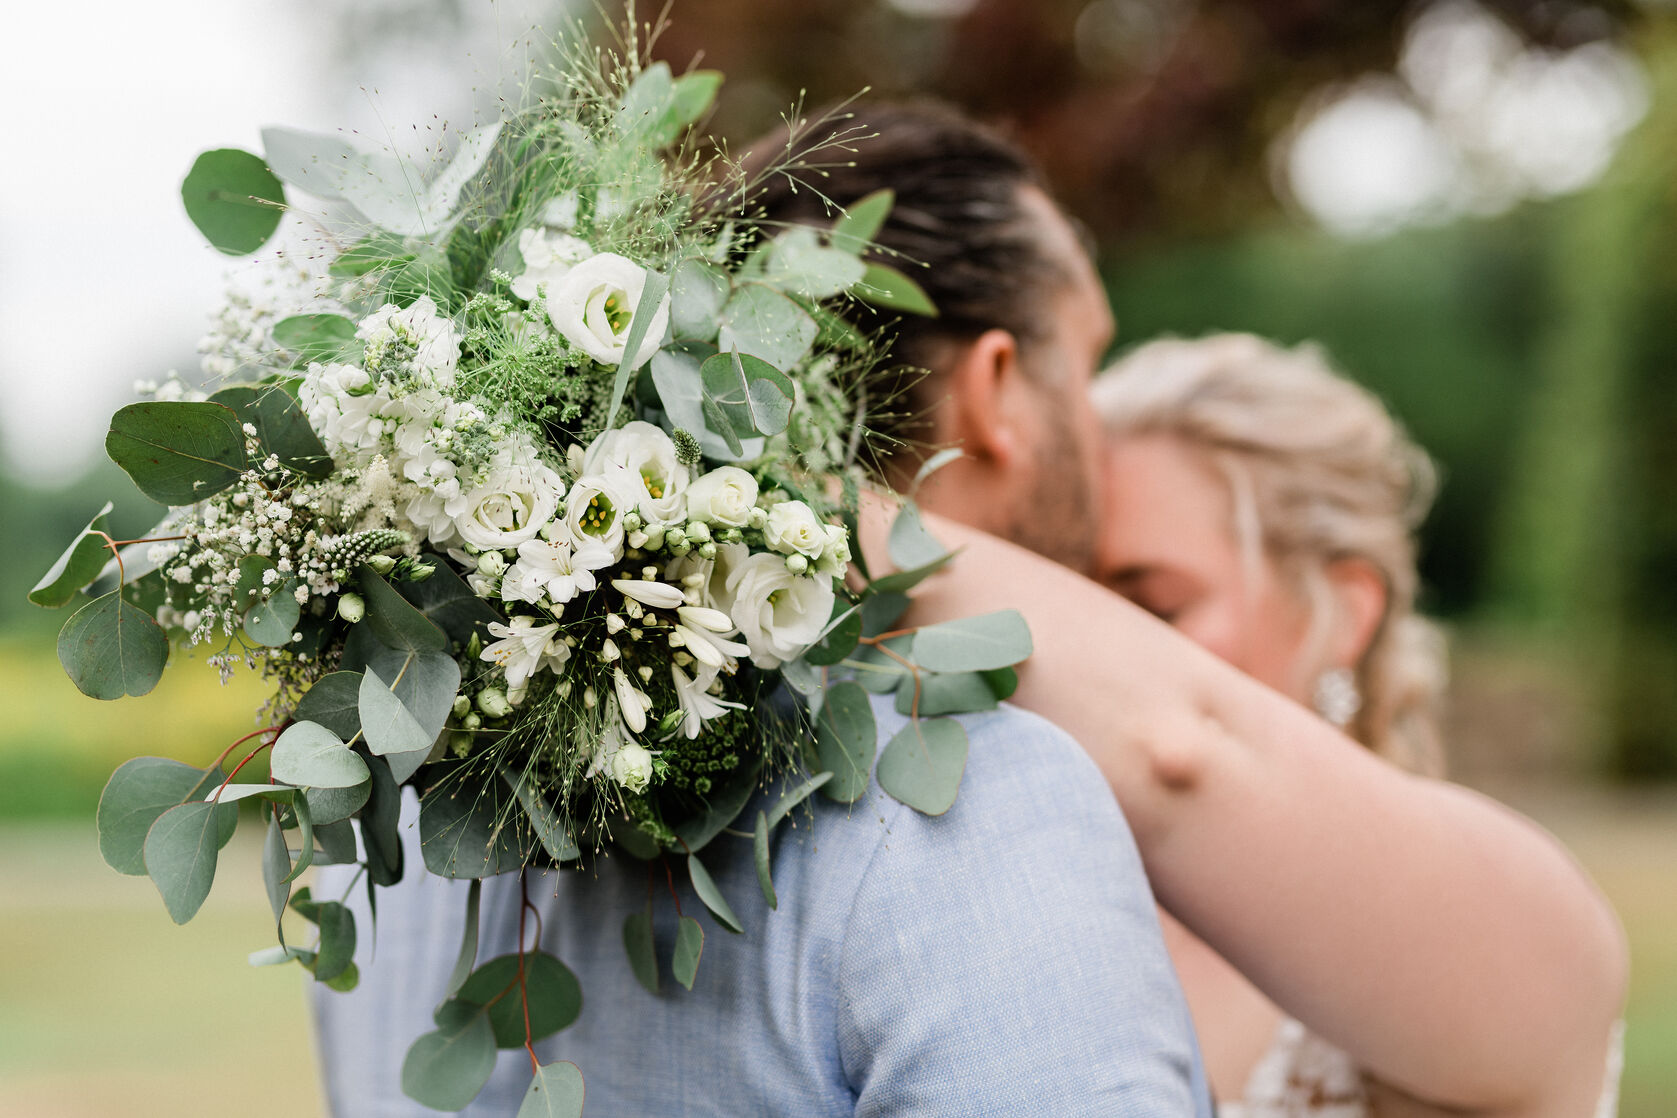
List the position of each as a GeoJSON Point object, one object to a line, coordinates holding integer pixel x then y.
{"type": "Point", "coordinates": [1004, 958]}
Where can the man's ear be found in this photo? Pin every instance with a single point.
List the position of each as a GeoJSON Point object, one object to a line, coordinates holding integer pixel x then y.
{"type": "Point", "coordinates": [983, 385]}
{"type": "Point", "coordinates": [1360, 599]}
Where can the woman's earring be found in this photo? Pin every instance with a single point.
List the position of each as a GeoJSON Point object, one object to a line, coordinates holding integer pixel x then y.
{"type": "Point", "coordinates": [1336, 697]}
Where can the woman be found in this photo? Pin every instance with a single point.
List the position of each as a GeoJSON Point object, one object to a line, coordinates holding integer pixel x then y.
{"type": "Point", "coordinates": [1453, 955]}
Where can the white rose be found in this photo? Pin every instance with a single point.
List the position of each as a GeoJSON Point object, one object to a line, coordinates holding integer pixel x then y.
{"type": "Point", "coordinates": [631, 766]}
{"type": "Point", "coordinates": [793, 528]}
{"type": "Point", "coordinates": [547, 257]}
{"type": "Point", "coordinates": [593, 304]}
{"type": "Point", "coordinates": [647, 457]}
{"type": "Point", "coordinates": [724, 496]}
{"type": "Point", "coordinates": [778, 613]}
{"type": "Point", "coordinates": [511, 502]}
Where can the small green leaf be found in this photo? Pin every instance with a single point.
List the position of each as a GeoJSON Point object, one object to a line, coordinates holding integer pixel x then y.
{"type": "Point", "coordinates": [922, 764]}
{"type": "Point", "coordinates": [844, 630]}
{"type": "Point", "coordinates": [253, 572]}
{"type": "Point", "coordinates": [746, 396]}
{"type": "Point", "coordinates": [305, 836]}
{"type": "Point", "coordinates": [763, 323]}
{"type": "Point", "coordinates": [326, 338]}
{"type": "Point", "coordinates": [467, 958]}
{"type": "Point", "coordinates": [946, 693]}
{"type": "Point", "coordinates": [395, 621]}
{"type": "Point", "coordinates": [376, 252]}
{"type": "Point", "coordinates": [309, 755]}
{"type": "Point", "coordinates": [281, 427]}
{"type": "Point", "coordinates": [233, 199]}
{"type": "Point", "coordinates": [335, 842]}
{"type": "Point", "coordinates": [845, 739]}
{"type": "Point", "coordinates": [334, 805]}
{"type": "Point", "coordinates": [973, 644]}
{"type": "Point", "coordinates": [857, 226]}
{"type": "Point", "coordinates": [138, 792]}
{"type": "Point", "coordinates": [637, 942]}
{"type": "Point", "coordinates": [698, 292]}
{"type": "Point", "coordinates": [79, 565]}
{"type": "Point", "coordinates": [646, 309]}
{"type": "Point", "coordinates": [335, 702]}
{"type": "Point", "coordinates": [337, 940]}
{"type": "Point", "coordinates": [884, 286]}
{"type": "Point", "coordinates": [712, 896]}
{"type": "Point", "coordinates": [555, 999]}
{"type": "Point", "coordinates": [272, 622]}
{"type": "Point", "coordinates": [910, 544]}
{"type": "Point", "coordinates": [550, 832]}
{"type": "Point", "coordinates": [451, 605]}
{"type": "Point", "coordinates": [796, 796]}
{"type": "Point", "coordinates": [722, 808]}
{"type": "Point", "coordinates": [386, 725]}
{"type": "Point", "coordinates": [276, 871]}
{"type": "Point", "coordinates": [445, 1069]}
{"type": "Point", "coordinates": [345, 980]}
{"type": "Point", "coordinates": [555, 1092]}
{"type": "Point", "coordinates": [111, 648]}
{"type": "Point", "coordinates": [881, 610]}
{"type": "Point", "coordinates": [760, 851]}
{"type": "Point", "coordinates": [1003, 682]}
{"type": "Point", "coordinates": [689, 945]}
{"type": "Point", "coordinates": [693, 94]}
{"type": "Point", "coordinates": [180, 855]}
{"type": "Point", "coordinates": [800, 264]}
{"type": "Point", "coordinates": [178, 451]}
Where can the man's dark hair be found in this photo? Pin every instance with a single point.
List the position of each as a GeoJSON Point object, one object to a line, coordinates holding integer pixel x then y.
{"type": "Point", "coordinates": [960, 227]}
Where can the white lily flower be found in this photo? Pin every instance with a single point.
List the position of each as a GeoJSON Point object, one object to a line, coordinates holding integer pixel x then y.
{"type": "Point", "coordinates": [525, 648]}
{"type": "Point", "coordinates": [697, 704]}
{"type": "Point", "coordinates": [658, 595]}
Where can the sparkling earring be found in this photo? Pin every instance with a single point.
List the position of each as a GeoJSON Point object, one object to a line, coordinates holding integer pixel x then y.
{"type": "Point", "coordinates": [1336, 697]}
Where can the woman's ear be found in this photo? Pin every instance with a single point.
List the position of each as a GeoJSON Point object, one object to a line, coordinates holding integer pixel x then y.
{"type": "Point", "coordinates": [1360, 598]}
{"type": "Point", "coordinates": [983, 383]}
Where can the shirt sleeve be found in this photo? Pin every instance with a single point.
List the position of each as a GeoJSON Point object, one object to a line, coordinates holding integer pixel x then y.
{"type": "Point", "coordinates": [1006, 957]}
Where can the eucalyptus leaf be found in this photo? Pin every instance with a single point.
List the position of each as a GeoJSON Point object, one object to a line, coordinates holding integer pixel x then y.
{"type": "Point", "coordinates": [326, 338]}
{"type": "Point", "coordinates": [883, 609]}
{"type": "Point", "coordinates": [334, 702]}
{"type": "Point", "coordinates": [800, 677]}
{"type": "Point", "coordinates": [1003, 682]}
{"type": "Point", "coordinates": [307, 754]}
{"type": "Point", "coordinates": [79, 565]}
{"type": "Point", "coordinates": [316, 163]}
{"type": "Point", "coordinates": [180, 854]}
{"type": "Point", "coordinates": [698, 292]}
{"type": "Point", "coordinates": [946, 693]}
{"type": "Point", "coordinates": [555, 996]}
{"type": "Point", "coordinates": [178, 451]}
{"type": "Point", "coordinates": [386, 725]}
{"type": "Point", "coordinates": [723, 807]}
{"type": "Point", "coordinates": [846, 739]}
{"type": "Point", "coordinates": [800, 264]}
{"type": "Point", "coordinates": [638, 944]}
{"type": "Point", "coordinates": [395, 621]}
{"type": "Point", "coordinates": [844, 629]}
{"type": "Point", "coordinates": [884, 286]}
{"type": "Point", "coordinates": [384, 187]}
{"type": "Point", "coordinates": [544, 821]}
{"type": "Point", "coordinates": [467, 958]}
{"type": "Point", "coordinates": [273, 621]}
{"type": "Point", "coordinates": [761, 322]}
{"type": "Point", "coordinates": [445, 1069]}
{"type": "Point", "coordinates": [138, 792]}
{"type": "Point", "coordinates": [760, 854]}
{"type": "Point", "coordinates": [337, 940]}
{"type": "Point", "coordinates": [345, 980]}
{"type": "Point", "coordinates": [463, 833]}
{"type": "Point", "coordinates": [556, 1091]}
{"type": "Point", "coordinates": [281, 427]}
{"type": "Point", "coordinates": [233, 199]}
{"type": "Point", "coordinates": [449, 602]}
{"type": "Point", "coordinates": [973, 644]}
{"type": "Point", "coordinates": [689, 945]}
{"type": "Point", "coordinates": [878, 672]}
{"type": "Point", "coordinates": [911, 545]}
{"type": "Point", "coordinates": [379, 822]}
{"type": "Point", "coordinates": [334, 805]}
{"type": "Point", "coordinates": [305, 837]}
{"type": "Point", "coordinates": [693, 93]}
{"type": "Point", "coordinates": [426, 682]}
{"type": "Point", "coordinates": [253, 575]}
{"type": "Point", "coordinates": [857, 227]}
{"type": "Point", "coordinates": [922, 764]}
{"type": "Point", "coordinates": [745, 395]}
{"type": "Point", "coordinates": [705, 886]}
{"type": "Point", "coordinates": [334, 841]}
{"type": "Point", "coordinates": [794, 797]}
{"type": "Point", "coordinates": [110, 648]}
{"type": "Point", "coordinates": [897, 583]}
{"type": "Point", "coordinates": [274, 956]}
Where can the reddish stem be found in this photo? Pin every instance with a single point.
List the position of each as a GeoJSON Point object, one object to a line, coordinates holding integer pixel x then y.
{"type": "Point", "coordinates": [248, 758]}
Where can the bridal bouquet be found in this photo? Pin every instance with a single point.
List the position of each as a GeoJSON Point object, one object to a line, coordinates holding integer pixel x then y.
{"type": "Point", "coordinates": [529, 483]}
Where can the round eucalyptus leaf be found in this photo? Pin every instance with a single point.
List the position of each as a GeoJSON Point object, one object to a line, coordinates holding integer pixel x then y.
{"type": "Point", "coordinates": [555, 996]}
{"type": "Point", "coordinates": [445, 1069]}
{"type": "Point", "coordinates": [111, 648]}
{"type": "Point", "coordinates": [395, 621]}
{"type": "Point", "coordinates": [272, 623]}
{"type": "Point", "coordinates": [638, 944]}
{"type": "Point", "coordinates": [386, 725]}
{"type": "Point", "coordinates": [281, 427]}
{"type": "Point", "coordinates": [973, 644]}
{"type": "Point", "coordinates": [334, 805]}
{"type": "Point", "coordinates": [178, 451]}
{"type": "Point", "coordinates": [464, 831]}
{"type": "Point", "coordinates": [334, 702]}
{"type": "Point", "coordinates": [922, 764]}
{"type": "Point", "coordinates": [309, 755]}
{"type": "Point", "coordinates": [555, 1092]}
{"type": "Point", "coordinates": [689, 945]}
{"type": "Point", "coordinates": [337, 940]}
{"type": "Point", "coordinates": [760, 321]}
{"type": "Point", "coordinates": [846, 739]}
{"type": "Point", "coordinates": [180, 855]}
{"type": "Point", "coordinates": [79, 565]}
{"type": "Point", "coordinates": [137, 793]}
{"type": "Point", "coordinates": [233, 199]}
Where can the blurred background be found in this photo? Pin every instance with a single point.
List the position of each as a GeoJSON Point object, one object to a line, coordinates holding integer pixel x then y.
{"type": "Point", "coordinates": [1469, 204]}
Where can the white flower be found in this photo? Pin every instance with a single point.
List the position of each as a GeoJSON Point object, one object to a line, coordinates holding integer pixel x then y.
{"type": "Point", "coordinates": [392, 330]}
{"type": "Point", "coordinates": [631, 766]}
{"type": "Point", "coordinates": [553, 570]}
{"type": "Point", "coordinates": [793, 528]}
{"type": "Point", "coordinates": [646, 455]}
{"type": "Point", "coordinates": [778, 613]}
{"type": "Point", "coordinates": [524, 649]}
{"type": "Point", "coordinates": [548, 256]}
{"type": "Point", "coordinates": [697, 704]}
{"type": "Point", "coordinates": [659, 595]}
{"type": "Point", "coordinates": [724, 496]}
{"type": "Point", "coordinates": [593, 304]}
{"type": "Point", "coordinates": [702, 632]}
{"type": "Point", "coordinates": [632, 702]}
{"type": "Point", "coordinates": [594, 510]}
{"type": "Point", "coordinates": [835, 556]}
{"type": "Point", "coordinates": [511, 502]}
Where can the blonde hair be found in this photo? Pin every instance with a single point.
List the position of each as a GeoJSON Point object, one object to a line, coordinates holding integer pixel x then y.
{"type": "Point", "coordinates": [1318, 471]}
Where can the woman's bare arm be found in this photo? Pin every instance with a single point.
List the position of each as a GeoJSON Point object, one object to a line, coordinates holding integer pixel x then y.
{"type": "Point", "coordinates": [1448, 944]}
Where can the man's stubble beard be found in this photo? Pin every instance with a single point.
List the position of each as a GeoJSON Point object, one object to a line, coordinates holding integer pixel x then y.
{"type": "Point", "coordinates": [1057, 521]}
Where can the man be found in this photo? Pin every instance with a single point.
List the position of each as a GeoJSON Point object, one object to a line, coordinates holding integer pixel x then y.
{"type": "Point", "coordinates": [1003, 958]}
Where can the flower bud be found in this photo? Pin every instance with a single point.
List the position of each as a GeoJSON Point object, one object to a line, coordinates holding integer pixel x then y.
{"type": "Point", "coordinates": [462, 706]}
{"type": "Point", "coordinates": [707, 550]}
{"type": "Point", "coordinates": [797, 564]}
{"type": "Point", "coordinates": [422, 571]}
{"type": "Point", "coordinates": [632, 522]}
{"type": "Point", "coordinates": [382, 564]}
{"type": "Point", "coordinates": [491, 563]}
{"type": "Point", "coordinates": [352, 607]}
{"type": "Point", "coordinates": [698, 531]}
{"type": "Point", "coordinates": [493, 702]}
{"type": "Point", "coordinates": [631, 766]}
{"type": "Point", "coordinates": [472, 721]}
{"type": "Point", "coordinates": [675, 536]}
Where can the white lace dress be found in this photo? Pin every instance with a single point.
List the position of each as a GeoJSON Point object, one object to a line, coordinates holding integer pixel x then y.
{"type": "Point", "coordinates": [1303, 1076]}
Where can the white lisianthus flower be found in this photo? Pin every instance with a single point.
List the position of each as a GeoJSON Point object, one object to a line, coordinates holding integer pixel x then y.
{"type": "Point", "coordinates": [724, 496]}
{"type": "Point", "coordinates": [548, 256]}
{"type": "Point", "coordinates": [593, 304]}
{"type": "Point", "coordinates": [646, 455]}
{"type": "Point", "coordinates": [594, 511]}
{"type": "Point", "coordinates": [778, 613]}
{"type": "Point", "coordinates": [391, 331]}
{"type": "Point", "coordinates": [631, 766]}
{"type": "Point", "coordinates": [524, 649]}
{"type": "Point", "coordinates": [697, 704]}
{"type": "Point", "coordinates": [511, 502]}
{"type": "Point", "coordinates": [552, 570]}
{"type": "Point", "coordinates": [794, 529]}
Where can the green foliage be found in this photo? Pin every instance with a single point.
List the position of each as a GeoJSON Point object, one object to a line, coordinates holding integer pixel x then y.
{"type": "Point", "coordinates": [272, 621]}
{"type": "Point", "coordinates": [698, 292]}
{"type": "Point", "coordinates": [379, 822]}
{"type": "Point", "coordinates": [794, 797]}
{"type": "Point", "coordinates": [922, 764]}
{"type": "Point", "coordinates": [467, 957]}
{"type": "Point", "coordinates": [180, 855]}
{"type": "Point", "coordinates": [448, 602]}
{"type": "Point", "coordinates": [334, 702]}
{"type": "Point", "coordinates": [233, 199]}
{"type": "Point", "coordinates": [446, 1068]}
{"type": "Point", "coordinates": [946, 693]}
{"type": "Point", "coordinates": [884, 286]}
{"type": "Point", "coordinates": [743, 396]}
{"type": "Point", "coordinates": [760, 856]}
{"type": "Point", "coordinates": [281, 427]}
{"type": "Point", "coordinates": [309, 755]}
{"type": "Point", "coordinates": [111, 648]}
{"type": "Point", "coordinates": [638, 944]}
{"type": "Point", "coordinates": [761, 322]}
{"type": "Point", "coordinates": [798, 263]}
{"type": "Point", "coordinates": [395, 621]}
{"type": "Point", "coordinates": [910, 544]}
{"type": "Point", "coordinates": [845, 740]}
{"type": "Point", "coordinates": [555, 996]}
{"type": "Point", "coordinates": [689, 945]}
{"type": "Point", "coordinates": [549, 829]}
{"type": "Point", "coordinates": [386, 725]}
{"type": "Point", "coordinates": [461, 830]}
{"type": "Point", "coordinates": [705, 886]}
{"type": "Point", "coordinates": [333, 805]}
{"type": "Point", "coordinates": [973, 644]}
{"type": "Point", "coordinates": [844, 629]}
{"type": "Point", "coordinates": [79, 565]}
{"type": "Point", "coordinates": [325, 338]}
{"type": "Point", "coordinates": [138, 792]}
{"type": "Point", "coordinates": [178, 452]}
{"type": "Point", "coordinates": [555, 1092]}
{"type": "Point", "coordinates": [652, 293]}
{"type": "Point", "coordinates": [856, 228]}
